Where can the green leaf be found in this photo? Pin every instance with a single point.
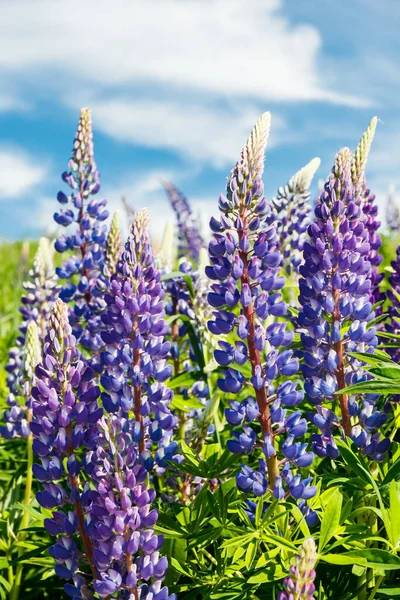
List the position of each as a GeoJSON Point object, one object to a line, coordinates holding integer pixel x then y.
{"type": "Point", "coordinates": [374, 386]}
{"type": "Point", "coordinates": [266, 575]}
{"type": "Point", "coordinates": [178, 567]}
{"type": "Point", "coordinates": [32, 511]}
{"type": "Point", "coordinates": [184, 404]}
{"type": "Point", "coordinates": [330, 520]}
{"type": "Point", "coordinates": [278, 541]}
{"type": "Point", "coordinates": [393, 473]}
{"type": "Point", "coordinates": [342, 559]}
{"type": "Point", "coordinates": [184, 379]}
{"type": "Point", "coordinates": [376, 558]}
{"type": "Point", "coordinates": [386, 370]}
{"type": "Point", "coordinates": [391, 592]}
{"type": "Point", "coordinates": [250, 554]}
{"type": "Point", "coordinates": [376, 358]}
{"type": "Point", "coordinates": [394, 514]}
{"type": "Point", "coordinates": [5, 583]}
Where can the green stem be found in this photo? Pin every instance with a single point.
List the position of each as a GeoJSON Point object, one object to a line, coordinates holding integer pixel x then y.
{"type": "Point", "coordinates": [376, 588]}
{"type": "Point", "coordinates": [25, 517]}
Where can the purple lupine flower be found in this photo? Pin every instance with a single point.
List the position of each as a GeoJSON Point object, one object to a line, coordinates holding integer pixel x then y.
{"type": "Point", "coordinates": [40, 291]}
{"type": "Point", "coordinates": [18, 415]}
{"type": "Point", "coordinates": [336, 310]}
{"type": "Point", "coordinates": [65, 414]}
{"type": "Point", "coordinates": [112, 515]}
{"type": "Point", "coordinates": [190, 240]}
{"type": "Point", "coordinates": [87, 239]}
{"type": "Point", "coordinates": [290, 214]}
{"type": "Point", "coordinates": [121, 520]}
{"type": "Point", "coordinates": [369, 208]}
{"type": "Point", "coordinates": [245, 265]}
{"type": "Point", "coordinates": [136, 352]}
{"type": "Point", "coordinates": [299, 585]}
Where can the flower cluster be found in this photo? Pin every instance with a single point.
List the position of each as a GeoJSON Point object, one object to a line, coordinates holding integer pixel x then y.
{"type": "Point", "coordinates": [190, 240]}
{"type": "Point", "coordinates": [245, 265]}
{"type": "Point", "coordinates": [290, 215]}
{"type": "Point", "coordinates": [300, 583]}
{"type": "Point", "coordinates": [18, 415]}
{"type": "Point", "coordinates": [40, 292]}
{"type": "Point", "coordinates": [113, 516]}
{"type": "Point", "coordinates": [135, 358]}
{"type": "Point", "coordinates": [88, 239]}
{"type": "Point", "coordinates": [336, 310]}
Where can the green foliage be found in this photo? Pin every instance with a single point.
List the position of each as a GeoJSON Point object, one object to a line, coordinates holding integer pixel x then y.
{"type": "Point", "coordinates": [215, 551]}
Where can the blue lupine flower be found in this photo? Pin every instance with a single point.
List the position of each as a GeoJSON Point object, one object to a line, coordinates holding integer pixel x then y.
{"type": "Point", "coordinates": [246, 291]}
{"type": "Point", "coordinates": [336, 309]}
{"type": "Point", "coordinates": [87, 239]}
{"type": "Point", "coordinates": [40, 291]}
{"type": "Point", "coordinates": [136, 348]}
{"type": "Point", "coordinates": [76, 443]}
{"type": "Point", "coordinates": [190, 240]}
{"type": "Point", "coordinates": [290, 215]}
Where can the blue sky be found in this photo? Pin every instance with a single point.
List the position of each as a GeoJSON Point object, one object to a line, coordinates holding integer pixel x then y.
{"type": "Point", "coordinates": [175, 87]}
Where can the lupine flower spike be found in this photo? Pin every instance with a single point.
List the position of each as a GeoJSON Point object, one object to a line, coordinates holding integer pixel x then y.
{"type": "Point", "coordinates": [135, 358]}
{"type": "Point", "coordinates": [300, 583]}
{"type": "Point", "coordinates": [87, 240]}
{"type": "Point", "coordinates": [112, 515]}
{"type": "Point", "coordinates": [245, 264]}
{"type": "Point", "coordinates": [290, 214]}
{"type": "Point", "coordinates": [336, 310]}
{"type": "Point", "coordinates": [190, 240]}
{"type": "Point", "coordinates": [40, 291]}
{"type": "Point", "coordinates": [18, 415]}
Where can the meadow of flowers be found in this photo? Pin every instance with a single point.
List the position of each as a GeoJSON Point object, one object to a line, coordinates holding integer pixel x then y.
{"type": "Point", "coordinates": [204, 420]}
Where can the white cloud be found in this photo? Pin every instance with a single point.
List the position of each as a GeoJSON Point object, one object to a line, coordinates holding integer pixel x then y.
{"type": "Point", "coordinates": [9, 103]}
{"type": "Point", "coordinates": [19, 173]}
{"type": "Point", "coordinates": [227, 49]}
{"type": "Point", "coordinates": [207, 134]}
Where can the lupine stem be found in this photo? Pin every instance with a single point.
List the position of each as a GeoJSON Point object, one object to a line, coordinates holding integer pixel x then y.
{"type": "Point", "coordinates": [138, 403]}
{"type": "Point", "coordinates": [338, 346]}
{"type": "Point", "coordinates": [74, 483]}
{"type": "Point", "coordinates": [261, 394]}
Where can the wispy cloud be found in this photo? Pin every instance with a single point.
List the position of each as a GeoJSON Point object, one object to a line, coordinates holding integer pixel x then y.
{"type": "Point", "coordinates": [226, 49]}
{"type": "Point", "coordinates": [207, 134]}
{"type": "Point", "coordinates": [19, 173]}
